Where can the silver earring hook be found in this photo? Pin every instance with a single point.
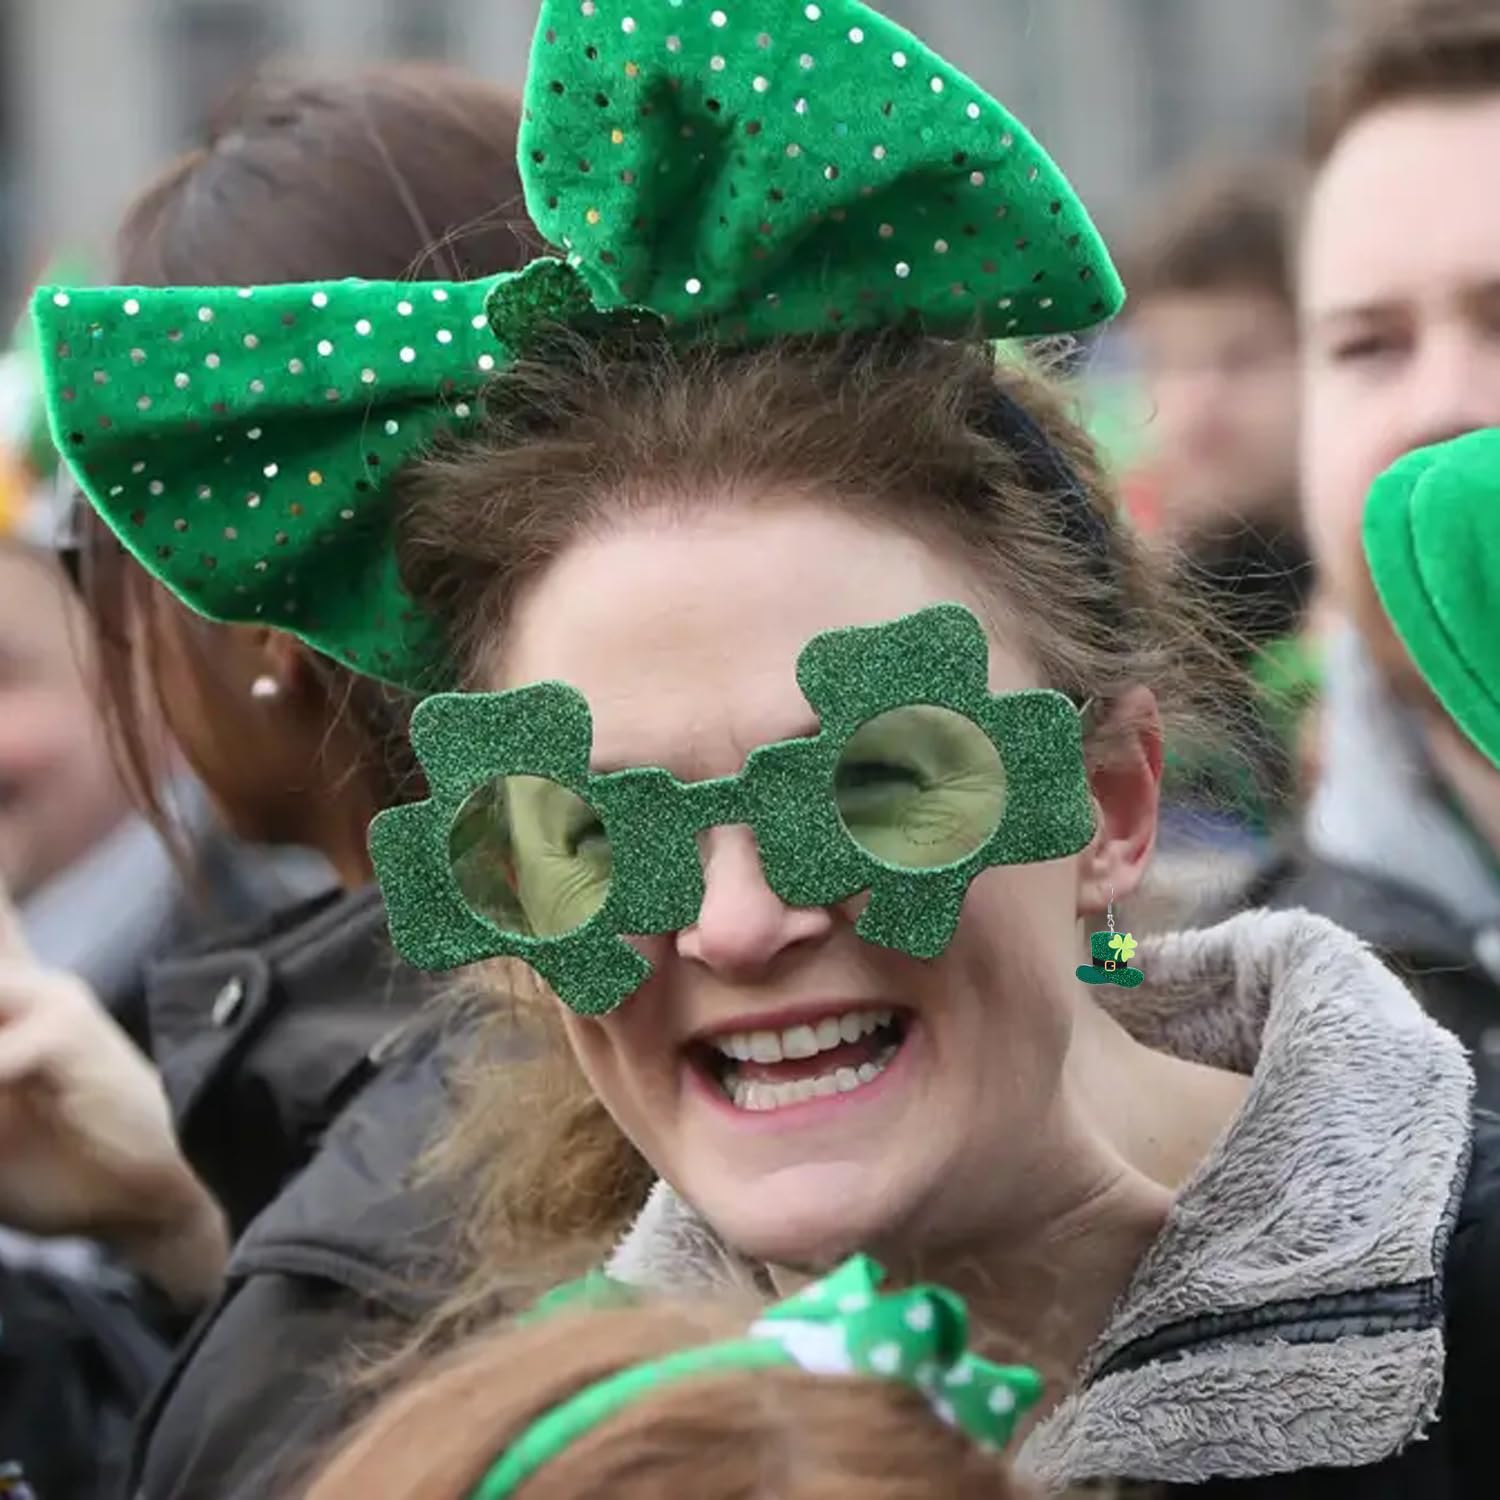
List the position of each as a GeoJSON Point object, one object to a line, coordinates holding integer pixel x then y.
{"type": "Point", "coordinates": [1110, 910]}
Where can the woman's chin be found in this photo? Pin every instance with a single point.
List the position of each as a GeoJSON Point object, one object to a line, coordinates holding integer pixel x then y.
{"type": "Point", "coordinates": [804, 1217]}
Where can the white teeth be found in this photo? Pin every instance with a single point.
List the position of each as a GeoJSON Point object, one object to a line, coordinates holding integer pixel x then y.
{"type": "Point", "coordinates": [757, 1096]}
{"type": "Point", "coordinates": [765, 1047]}
{"type": "Point", "coordinates": [829, 1035]}
{"type": "Point", "coordinates": [799, 1041]}
{"type": "Point", "coordinates": [804, 1041]}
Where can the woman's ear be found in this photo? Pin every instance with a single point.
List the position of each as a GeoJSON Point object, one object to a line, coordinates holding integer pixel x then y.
{"type": "Point", "coordinates": [1125, 778]}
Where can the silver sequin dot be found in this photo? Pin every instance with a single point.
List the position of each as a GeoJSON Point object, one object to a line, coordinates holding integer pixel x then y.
{"type": "Point", "coordinates": [972, 111]}
{"type": "Point", "coordinates": [60, 299]}
{"type": "Point", "coordinates": [346, 514]}
{"type": "Point", "coordinates": [902, 269]}
{"type": "Point", "coordinates": [137, 356]}
{"type": "Point", "coordinates": [887, 230]}
{"type": "Point", "coordinates": [392, 427]}
{"type": "Point", "coordinates": [899, 58]}
{"type": "Point", "coordinates": [253, 434]}
{"type": "Point", "coordinates": [800, 106]}
{"type": "Point", "coordinates": [439, 295]}
{"type": "Point", "coordinates": [250, 341]}
{"type": "Point", "coordinates": [719, 18]}
{"type": "Point", "coordinates": [325, 347]}
{"type": "Point", "coordinates": [132, 307]}
{"type": "Point", "coordinates": [856, 34]}
{"type": "Point", "coordinates": [408, 354]}
{"type": "Point", "coordinates": [368, 376]}
{"type": "Point", "coordinates": [212, 361]}
{"type": "Point", "coordinates": [806, 60]}
{"type": "Point", "coordinates": [938, 85]}
{"type": "Point", "coordinates": [247, 291]}
{"type": "Point", "coordinates": [295, 366]}
{"type": "Point", "coordinates": [486, 361]}
{"type": "Point", "coordinates": [941, 246]}
{"type": "Point", "coordinates": [760, 84]}
{"type": "Point", "coordinates": [628, 25]}
{"type": "Point", "coordinates": [478, 320]}
{"type": "Point", "coordinates": [116, 489]}
{"type": "Point", "coordinates": [139, 466]}
{"type": "Point", "coordinates": [878, 152]}
{"type": "Point", "coordinates": [694, 286]}
{"type": "Point", "coordinates": [404, 308]}
{"type": "Point", "coordinates": [362, 327]}
{"type": "Point", "coordinates": [977, 178]}
{"type": "Point", "coordinates": [271, 470]}
{"type": "Point", "coordinates": [180, 381]}
{"type": "Point", "coordinates": [444, 336]}
{"type": "Point", "coordinates": [716, 63]}
{"type": "Point", "coordinates": [320, 299]}
{"type": "Point", "coordinates": [793, 149]}
{"type": "Point", "coordinates": [258, 386]}
{"type": "Point", "coordinates": [674, 44]}
{"type": "Point", "coordinates": [462, 409]}
{"type": "Point", "coordinates": [205, 492]}
{"type": "Point", "coordinates": [587, 8]}
{"type": "Point", "coordinates": [143, 403]}
{"type": "Point", "coordinates": [252, 500]}
{"type": "Point", "coordinates": [156, 486]}
{"type": "Point", "coordinates": [205, 315]}
{"type": "Point", "coordinates": [813, 12]}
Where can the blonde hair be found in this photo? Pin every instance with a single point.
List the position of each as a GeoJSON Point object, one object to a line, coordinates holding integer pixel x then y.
{"type": "Point", "coordinates": [766, 1434]}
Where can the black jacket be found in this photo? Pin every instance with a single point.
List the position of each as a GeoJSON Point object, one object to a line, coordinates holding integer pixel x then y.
{"type": "Point", "coordinates": [1457, 1459]}
{"type": "Point", "coordinates": [1453, 970]}
{"type": "Point", "coordinates": [307, 1079]}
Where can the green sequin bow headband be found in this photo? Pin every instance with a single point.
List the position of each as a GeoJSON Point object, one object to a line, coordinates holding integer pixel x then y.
{"type": "Point", "coordinates": [744, 171]}
{"type": "Point", "coordinates": [918, 779]}
{"type": "Point", "coordinates": [840, 1326]}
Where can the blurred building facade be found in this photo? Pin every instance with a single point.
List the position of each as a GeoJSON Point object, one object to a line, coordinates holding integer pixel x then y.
{"type": "Point", "coordinates": [99, 92]}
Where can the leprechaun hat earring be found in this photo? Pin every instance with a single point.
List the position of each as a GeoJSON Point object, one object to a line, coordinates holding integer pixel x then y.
{"type": "Point", "coordinates": [1111, 952]}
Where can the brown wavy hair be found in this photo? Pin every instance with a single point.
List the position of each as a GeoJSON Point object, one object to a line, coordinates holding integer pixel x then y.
{"type": "Point", "coordinates": [978, 460]}
{"type": "Point", "coordinates": [767, 1434]}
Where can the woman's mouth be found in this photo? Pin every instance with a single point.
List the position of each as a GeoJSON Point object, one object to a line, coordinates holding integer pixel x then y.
{"type": "Point", "coordinates": [839, 1053]}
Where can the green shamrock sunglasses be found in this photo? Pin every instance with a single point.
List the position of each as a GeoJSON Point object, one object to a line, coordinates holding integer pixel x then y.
{"type": "Point", "coordinates": [918, 779]}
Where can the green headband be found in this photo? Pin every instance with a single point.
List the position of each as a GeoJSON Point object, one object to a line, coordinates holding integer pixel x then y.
{"type": "Point", "coordinates": [910, 811]}
{"type": "Point", "coordinates": [1432, 539]}
{"type": "Point", "coordinates": [743, 173]}
{"type": "Point", "coordinates": [841, 1326]}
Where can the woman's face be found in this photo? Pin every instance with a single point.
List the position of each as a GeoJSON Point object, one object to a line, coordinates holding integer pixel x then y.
{"type": "Point", "coordinates": [871, 1091]}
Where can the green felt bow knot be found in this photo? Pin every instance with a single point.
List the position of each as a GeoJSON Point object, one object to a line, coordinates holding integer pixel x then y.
{"type": "Point", "coordinates": [1122, 945]}
{"type": "Point", "coordinates": [841, 1326]}
{"type": "Point", "coordinates": [737, 172]}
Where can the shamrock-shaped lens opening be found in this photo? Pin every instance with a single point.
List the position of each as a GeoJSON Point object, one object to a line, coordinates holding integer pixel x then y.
{"type": "Point", "coordinates": [530, 856]}
{"type": "Point", "coordinates": [920, 787]}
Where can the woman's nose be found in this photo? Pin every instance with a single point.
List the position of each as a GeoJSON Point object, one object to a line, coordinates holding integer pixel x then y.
{"type": "Point", "coordinates": [743, 925]}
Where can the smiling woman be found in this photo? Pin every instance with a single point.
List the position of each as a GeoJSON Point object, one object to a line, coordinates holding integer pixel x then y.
{"type": "Point", "coordinates": [799, 699]}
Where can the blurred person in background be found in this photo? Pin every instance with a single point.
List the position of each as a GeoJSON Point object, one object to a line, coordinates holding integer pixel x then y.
{"type": "Point", "coordinates": [1212, 326]}
{"type": "Point", "coordinates": [302, 1073]}
{"type": "Point", "coordinates": [1399, 287]}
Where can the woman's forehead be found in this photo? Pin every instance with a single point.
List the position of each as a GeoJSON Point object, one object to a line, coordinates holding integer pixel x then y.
{"type": "Point", "coordinates": [684, 634]}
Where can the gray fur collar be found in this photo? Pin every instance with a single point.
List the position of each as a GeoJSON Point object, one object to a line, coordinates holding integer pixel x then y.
{"type": "Point", "coordinates": [1340, 1175]}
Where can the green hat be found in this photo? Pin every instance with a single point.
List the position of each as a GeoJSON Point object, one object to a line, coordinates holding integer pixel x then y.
{"type": "Point", "coordinates": [1432, 539]}
{"type": "Point", "coordinates": [1111, 953]}
{"type": "Point", "coordinates": [763, 169]}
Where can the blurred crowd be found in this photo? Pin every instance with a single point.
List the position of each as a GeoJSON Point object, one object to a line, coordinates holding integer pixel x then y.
{"type": "Point", "coordinates": [242, 1199]}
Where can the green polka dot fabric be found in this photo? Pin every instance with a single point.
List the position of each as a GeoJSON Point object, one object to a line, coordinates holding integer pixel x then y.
{"type": "Point", "coordinates": [841, 1326]}
{"type": "Point", "coordinates": [736, 172]}
{"type": "Point", "coordinates": [770, 167]}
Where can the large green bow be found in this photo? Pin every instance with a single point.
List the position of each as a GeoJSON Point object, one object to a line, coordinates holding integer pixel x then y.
{"type": "Point", "coordinates": [840, 1326]}
{"type": "Point", "coordinates": [744, 172]}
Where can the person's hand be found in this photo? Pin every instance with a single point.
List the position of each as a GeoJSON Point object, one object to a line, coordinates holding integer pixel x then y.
{"type": "Point", "coordinates": [86, 1139]}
